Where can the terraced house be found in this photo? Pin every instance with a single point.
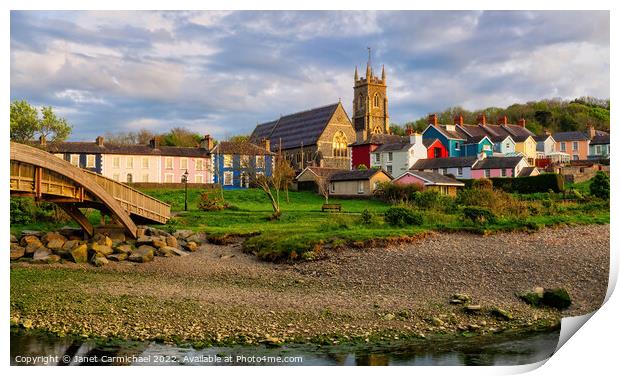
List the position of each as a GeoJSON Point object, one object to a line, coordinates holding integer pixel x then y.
{"type": "Point", "coordinates": [576, 144]}
{"type": "Point", "coordinates": [599, 144]}
{"type": "Point", "coordinates": [235, 164]}
{"type": "Point", "coordinates": [459, 142]}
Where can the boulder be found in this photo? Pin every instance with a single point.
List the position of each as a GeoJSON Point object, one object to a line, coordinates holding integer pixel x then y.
{"type": "Point", "coordinates": [191, 246]}
{"type": "Point", "coordinates": [142, 240]}
{"type": "Point", "coordinates": [17, 251]}
{"type": "Point", "coordinates": [49, 259]}
{"type": "Point", "coordinates": [99, 260]}
{"type": "Point", "coordinates": [102, 240]}
{"type": "Point", "coordinates": [36, 233]}
{"type": "Point", "coordinates": [181, 243]}
{"type": "Point", "coordinates": [52, 236]}
{"type": "Point", "coordinates": [80, 253]}
{"type": "Point", "coordinates": [70, 244]}
{"type": "Point", "coordinates": [437, 321]}
{"type": "Point", "coordinates": [197, 238]}
{"type": "Point", "coordinates": [71, 232]}
{"type": "Point", "coordinates": [32, 247]}
{"type": "Point", "coordinates": [556, 298]}
{"type": "Point", "coordinates": [501, 314]}
{"type": "Point", "coordinates": [460, 299]}
{"type": "Point", "coordinates": [156, 232]}
{"type": "Point", "coordinates": [100, 248]}
{"type": "Point", "coordinates": [41, 253]}
{"type": "Point", "coordinates": [171, 241]}
{"type": "Point", "coordinates": [183, 234]}
{"type": "Point", "coordinates": [164, 252]}
{"type": "Point", "coordinates": [123, 248]}
{"type": "Point", "coordinates": [144, 253]}
{"type": "Point", "coordinates": [173, 251]}
{"type": "Point", "coordinates": [158, 243]}
{"type": "Point", "coordinates": [118, 236]}
{"type": "Point", "coordinates": [118, 257]}
{"type": "Point", "coordinates": [55, 244]}
{"type": "Point", "coordinates": [28, 239]}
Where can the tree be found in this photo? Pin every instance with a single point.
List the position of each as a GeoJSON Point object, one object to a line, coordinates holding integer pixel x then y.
{"type": "Point", "coordinates": [281, 175]}
{"type": "Point", "coordinates": [239, 138]}
{"type": "Point", "coordinates": [26, 123]}
{"type": "Point", "coordinates": [323, 182]}
{"type": "Point", "coordinates": [180, 137]}
{"type": "Point", "coordinates": [600, 185]}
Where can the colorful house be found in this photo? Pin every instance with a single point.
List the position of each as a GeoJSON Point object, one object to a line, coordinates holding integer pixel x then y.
{"type": "Point", "coordinates": [430, 181]}
{"type": "Point", "coordinates": [461, 140]}
{"type": "Point", "coordinates": [357, 182]}
{"type": "Point", "coordinates": [504, 167]}
{"type": "Point", "coordinates": [545, 145]}
{"type": "Point", "coordinates": [435, 149]}
{"type": "Point", "coordinates": [360, 151]}
{"type": "Point", "coordinates": [459, 167]}
{"type": "Point", "coordinates": [599, 144]}
{"type": "Point", "coordinates": [451, 137]}
{"type": "Point", "coordinates": [236, 163]}
{"type": "Point", "coordinates": [395, 158]}
{"type": "Point", "coordinates": [576, 144]}
{"type": "Point", "coordinates": [523, 138]}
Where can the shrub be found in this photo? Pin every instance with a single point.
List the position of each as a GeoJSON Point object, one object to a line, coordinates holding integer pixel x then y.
{"type": "Point", "coordinates": [478, 214]}
{"type": "Point", "coordinates": [362, 167]}
{"type": "Point", "coordinates": [599, 187]}
{"type": "Point", "coordinates": [171, 225]}
{"type": "Point", "coordinates": [22, 211]}
{"type": "Point", "coordinates": [483, 183]}
{"type": "Point", "coordinates": [366, 217]}
{"type": "Point", "coordinates": [401, 216]}
{"type": "Point", "coordinates": [211, 200]}
{"type": "Point", "coordinates": [530, 184]}
{"type": "Point", "coordinates": [398, 192]}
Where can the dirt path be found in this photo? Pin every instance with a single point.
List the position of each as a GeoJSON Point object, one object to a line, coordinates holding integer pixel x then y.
{"type": "Point", "coordinates": [219, 293]}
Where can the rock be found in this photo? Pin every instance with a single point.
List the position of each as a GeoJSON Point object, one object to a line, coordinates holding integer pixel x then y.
{"type": "Point", "coordinates": [118, 257]}
{"type": "Point", "coordinates": [158, 243]}
{"type": "Point", "coordinates": [156, 232]}
{"type": "Point", "coordinates": [28, 239]}
{"type": "Point", "coordinates": [142, 240]}
{"type": "Point", "coordinates": [13, 239]}
{"type": "Point", "coordinates": [36, 233]}
{"type": "Point", "coordinates": [102, 249]}
{"type": "Point", "coordinates": [50, 259]}
{"type": "Point", "coordinates": [144, 253]}
{"type": "Point", "coordinates": [163, 252]}
{"type": "Point", "coordinates": [181, 243]}
{"type": "Point", "coordinates": [191, 246]}
{"type": "Point", "coordinates": [171, 241]}
{"type": "Point", "coordinates": [70, 245]}
{"type": "Point", "coordinates": [80, 253]}
{"type": "Point", "coordinates": [473, 308]}
{"type": "Point", "coordinates": [56, 244]}
{"type": "Point", "coordinates": [41, 253]}
{"type": "Point", "coordinates": [389, 317]}
{"type": "Point", "coordinates": [52, 236]}
{"type": "Point", "coordinates": [270, 341]}
{"type": "Point", "coordinates": [556, 298]}
{"type": "Point", "coordinates": [197, 238]}
{"type": "Point", "coordinates": [17, 251]}
{"type": "Point", "coordinates": [123, 248]}
{"type": "Point", "coordinates": [71, 232]}
{"type": "Point", "coordinates": [99, 260]}
{"type": "Point", "coordinates": [538, 291]}
{"type": "Point", "coordinates": [32, 247]}
{"type": "Point", "coordinates": [174, 251]}
{"type": "Point", "coordinates": [102, 240]}
{"type": "Point", "coordinates": [183, 234]}
{"type": "Point", "coordinates": [224, 257]}
{"type": "Point", "coordinates": [118, 236]}
{"type": "Point", "coordinates": [460, 299]}
{"type": "Point", "coordinates": [501, 313]}
{"type": "Point", "coordinates": [437, 321]}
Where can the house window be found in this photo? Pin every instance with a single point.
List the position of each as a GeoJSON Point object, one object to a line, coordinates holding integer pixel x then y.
{"type": "Point", "coordinates": [389, 169]}
{"type": "Point", "coordinates": [169, 178]}
{"type": "Point", "coordinates": [90, 161]}
{"type": "Point", "coordinates": [183, 163]}
{"type": "Point", "coordinates": [444, 171]}
{"type": "Point", "coordinates": [575, 145]}
{"type": "Point", "coordinates": [61, 156]}
{"type": "Point", "coordinates": [129, 162]}
{"type": "Point", "coordinates": [444, 189]}
{"type": "Point", "coordinates": [487, 173]}
{"type": "Point", "coordinates": [437, 152]}
{"type": "Point", "coordinates": [459, 171]}
{"type": "Point", "coordinates": [145, 178]}
{"type": "Point", "coordinates": [198, 179]}
{"type": "Point", "coordinates": [562, 146]}
{"type": "Point", "coordinates": [168, 163]}
{"type": "Point", "coordinates": [339, 145]}
{"type": "Point", "coordinates": [116, 177]}
{"type": "Point", "coordinates": [260, 161]}
{"type": "Point", "coordinates": [360, 187]}
{"type": "Point", "coordinates": [116, 162]}
{"type": "Point", "coordinates": [199, 164]}
{"type": "Point", "coordinates": [575, 157]}
{"type": "Point", "coordinates": [507, 145]}
{"type": "Point", "coordinates": [504, 172]}
{"type": "Point", "coordinates": [228, 160]}
{"type": "Point", "coordinates": [145, 162]}
{"type": "Point", "coordinates": [457, 146]}
{"type": "Point", "coordinates": [390, 157]}
{"type": "Point", "coordinates": [245, 161]}
{"type": "Point", "coordinates": [75, 160]}
{"type": "Point", "coordinates": [376, 185]}
{"type": "Point", "coordinates": [598, 150]}
{"type": "Point", "coordinates": [228, 178]}
{"type": "Point", "coordinates": [332, 187]}
{"type": "Point", "coordinates": [129, 178]}
{"type": "Point", "coordinates": [377, 158]}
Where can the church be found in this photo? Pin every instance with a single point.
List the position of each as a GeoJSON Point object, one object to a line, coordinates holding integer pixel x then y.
{"type": "Point", "coordinates": [321, 136]}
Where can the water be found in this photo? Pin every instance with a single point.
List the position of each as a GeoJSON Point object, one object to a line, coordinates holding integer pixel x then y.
{"type": "Point", "coordinates": [45, 349]}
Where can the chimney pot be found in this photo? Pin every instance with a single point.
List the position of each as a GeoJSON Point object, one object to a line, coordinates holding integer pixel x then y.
{"type": "Point", "coordinates": [266, 144]}
{"type": "Point", "coordinates": [206, 142]}
{"type": "Point", "coordinates": [154, 142]}
{"type": "Point", "coordinates": [409, 131]}
{"type": "Point", "coordinates": [458, 119]}
{"type": "Point", "coordinates": [591, 131]}
{"type": "Point", "coordinates": [99, 141]}
{"type": "Point", "coordinates": [502, 120]}
{"type": "Point", "coordinates": [432, 119]}
{"type": "Point", "coordinates": [42, 140]}
{"type": "Point", "coordinates": [521, 122]}
{"type": "Point", "coordinates": [482, 119]}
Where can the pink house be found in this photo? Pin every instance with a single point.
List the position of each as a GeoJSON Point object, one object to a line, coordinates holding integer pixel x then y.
{"type": "Point", "coordinates": [502, 167]}
{"type": "Point", "coordinates": [196, 161]}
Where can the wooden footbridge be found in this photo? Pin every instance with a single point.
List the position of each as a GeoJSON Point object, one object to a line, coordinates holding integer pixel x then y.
{"type": "Point", "coordinates": [39, 174]}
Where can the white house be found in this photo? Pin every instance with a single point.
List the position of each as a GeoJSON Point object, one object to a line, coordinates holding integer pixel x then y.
{"type": "Point", "coordinates": [459, 167]}
{"type": "Point", "coordinates": [545, 145]}
{"type": "Point", "coordinates": [396, 158]}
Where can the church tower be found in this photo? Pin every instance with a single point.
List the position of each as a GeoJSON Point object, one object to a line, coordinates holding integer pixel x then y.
{"type": "Point", "coordinates": [370, 103]}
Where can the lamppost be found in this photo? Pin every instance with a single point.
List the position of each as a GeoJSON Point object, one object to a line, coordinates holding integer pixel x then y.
{"type": "Point", "coordinates": [184, 180]}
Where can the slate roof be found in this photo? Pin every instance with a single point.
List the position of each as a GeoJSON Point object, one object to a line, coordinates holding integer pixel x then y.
{"type": "Point", "coordinates": [94, 148]}
{"type": "Point", "coordinates": [570, 136]}
{"type": "Point", "coordinates": [455, 134]}
{"type": "Point", "coordinates": [291, 131]}
{"type": "Point", "coordinates": [429, 141]}
{"type": "Point", "coordinates": [240, 148]}
{"type": "Point", "coordinates": [321, 171]}
{"type": "Point", "coordinates": [435, 178]}
{"type": "Point", "coordinates": [542, 137]}
{"type": "Point", "coordinates": [600, 138]}
{"type": "Point", "coordinates": [429, 164]}
{"type": "Point", "coordinates": [392, 147]}
{"type": "Point", "coordinates": [356, 175]}
{"type": "Point", "coordinates": [517, 132]}
{"type": "Point", "coordinates": [379, 139]}
{"type": "Point", "coordinates": [496, 133]}
{"type": "Point", "coordinates": [526, 171]}
{"type": "Point", "coordinates": [497, 162]}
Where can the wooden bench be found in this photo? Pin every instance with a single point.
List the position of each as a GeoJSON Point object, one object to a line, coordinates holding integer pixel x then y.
{"type": "Point", "coordinates": [331, 207]}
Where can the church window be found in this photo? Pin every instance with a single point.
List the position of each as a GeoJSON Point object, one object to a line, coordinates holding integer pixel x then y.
{"type": "Point", "coordinates": [377, 129]}
{"type": "Point", "coordinates": [339, 144]}
{"type": "Point", "coordinates": [377, 100]}
{"type": "Point", "coordinates": [360, 102]}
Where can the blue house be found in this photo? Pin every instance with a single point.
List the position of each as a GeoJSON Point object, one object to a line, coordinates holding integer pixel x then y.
{"type": "Point", "coordinates": [460, 140]}
{"type": "Point", "coordinates": [235, 163]}
{"type": "Point", "coordinates": [448, 135]}
{"type": "Point", "coordinates": [86, 155]}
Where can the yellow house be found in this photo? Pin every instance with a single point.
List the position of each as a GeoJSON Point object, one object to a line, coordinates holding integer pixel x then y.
{"type": "Point", "coordinates": [523, 138]}
{"type": "Point", "coordinates": [357, 182]}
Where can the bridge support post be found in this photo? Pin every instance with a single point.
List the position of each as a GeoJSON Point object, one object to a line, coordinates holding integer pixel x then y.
{"type": "Point", "coordinates": [79, 217]}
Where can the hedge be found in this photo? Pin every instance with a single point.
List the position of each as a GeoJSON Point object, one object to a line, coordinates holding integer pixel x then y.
{"type": "Point", "coordinates": [526, 184]}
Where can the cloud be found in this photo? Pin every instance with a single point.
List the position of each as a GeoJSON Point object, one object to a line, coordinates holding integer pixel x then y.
{"type": "Point", "coordinates": [221, 72]}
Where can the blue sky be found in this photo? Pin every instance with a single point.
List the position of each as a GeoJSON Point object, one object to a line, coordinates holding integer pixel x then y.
{"type": "Point", "coordinates": [221, 73]}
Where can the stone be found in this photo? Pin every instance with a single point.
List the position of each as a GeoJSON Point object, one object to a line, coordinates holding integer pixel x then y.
{"type": "Point", "coordinates": [183, 234]}
{"type": "Point", "coordinates": [118, 257]}
{"type": "Point", "coordinates": [197, 238]}
{"type": "Point", "coordinates": [437, 321]}
{"type": "Point", "coordinates": [25, 240]}
{"type": "Point", "coordinates": [80, 253]}
{"type": "Point", "coordinates": [462, 298]}
{"type": "Point", "coordinates": [99, 260]}
{"type": "Point", "coordinates": [144, 253]}
{"type": "Point", "coordinates": [389, 317]}
{"type": "Point", "coordinates": [70, 244]}
{"type": "Point", "coordinates": [36, 233]}
{"type": "Point", "coordinates": [501, 313]}
{"type": "Point", "coordinates": [164, 252]}
{"type": "Point", "coordinates": [102, 240]}
{"type": "Point", "coordinates": [556, 298]}
{"type": "Point", "coordinates": [142, 240]}
{"type": "Point", "coordinates": [158, 243]}
{"type": "Point", "coordinates": [171, 241]}
{"type": "Point", "coordinates": [123, 248]}
{"type": "Point", "coordinates": [118, 236]}
{"type": "Point", "coordinates": [32, 247]}
{"type": "Point", "coordinates": [13, 239]}
{"type": "Point", "coordinates": [55, 244]}
{"type": "Point", "coordinates": [473, 308]}
{"type": "Point", "coordinates": [156, 232]}
{"type": "Point", "coordinates": [17, 251]}
{"type": "Point", "coordinates": [181, 243]}
{"type": "Point", "coordinates": [41, 253]}
{"type": "Point", "coordinates": [71, 232]}
{"type": "Point", "coordinates": [538, 291]}
{"type": "Point", "coordinates": [102, 249]}
{"type": "Point", "coordinates": [174, 251]}
{"type": "Point", "coordinates": [191, 246]}
{"type": "Point", "coordinates": [224, 257]}
{"type": "Point", "coordinates": [51, 236]}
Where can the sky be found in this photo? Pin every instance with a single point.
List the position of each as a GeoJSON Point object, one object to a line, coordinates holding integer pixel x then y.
{"type": "Point", "coordinates": [221, 73]}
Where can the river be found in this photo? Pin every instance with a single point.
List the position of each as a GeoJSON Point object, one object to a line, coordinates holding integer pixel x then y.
{"type": "Point", "coordinates": [28, 348]}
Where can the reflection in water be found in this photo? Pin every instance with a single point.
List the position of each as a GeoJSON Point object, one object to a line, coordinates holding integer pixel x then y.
{"type": "Point", "coordinates": [45, 349]}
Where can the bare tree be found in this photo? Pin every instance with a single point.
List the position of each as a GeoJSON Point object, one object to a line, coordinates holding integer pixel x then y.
{"type": "Point", "coordinates": [323, 182]}
{"type": "Point", "coordinates": [281, 175]}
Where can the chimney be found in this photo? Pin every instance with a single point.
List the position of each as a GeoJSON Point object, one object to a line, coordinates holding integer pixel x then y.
{"type": "Point", "coordinates": [206, 142]}
{"type": "Point", "coordinates": [42, 140]}
{"type": "Point", "coordinates": [432, 119]}
{"type": "Point", "coordinates": [482, 119]}
{"type": "Point", "coordinates": [502, 120]}
{"type": "Point", "coordinates": [458, 119]}
{"type": "Point", "coordinates": [409, 131]}
{"type": "Point", "coordinates": [266, 144]}
{"type": "Point", "coordinates": [415, 138]}
{"type": "Point", "coordinates": [154, 142]}
{"type": "Point", "coordinates": [521, 122]}
{"type": "Point", "coordinates": [591, 131]}
{"type": "Point", "coordinates": [99, 141]}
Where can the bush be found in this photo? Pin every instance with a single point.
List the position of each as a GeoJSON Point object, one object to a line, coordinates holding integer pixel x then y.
{"type": "Point", "coordinates": [366, 217]}
{"type": "Point", "coordinates": [401, 216]}
{"type": "Point", "coordinates": [478, 215]}
{"type": "Point", "coordinates": [600, 185]}
{"type": "Point", "coordinates": [397, 193]}
{"type": "Point", "coordinates": [22, 211]}
{"type": "Point", "coordinates": [483, 183]}
{"type": "Point", "coordinates": [362, 167]}
{"type": "Point", "coordinates": [531, 184]}
{"type": "Point", "coordinates": [211, 200]}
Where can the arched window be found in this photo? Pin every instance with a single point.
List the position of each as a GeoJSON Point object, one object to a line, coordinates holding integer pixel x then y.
{"type": "Point", "coordinates": [377, 129]}
{"type": "Point", "coordinates": [360, 101]}
{"type": "Point", "coordinates": [339, 144]}
{"type": "Point", "coordinates": [377, 100]}
{"type": "Point", "coordinates": [129, 178]}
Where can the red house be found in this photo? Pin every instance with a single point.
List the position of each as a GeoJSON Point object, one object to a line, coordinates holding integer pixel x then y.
{"type": "Point", "coordinates": [361, 150]}
{"type": "Point", "coordinates": [435, 149]}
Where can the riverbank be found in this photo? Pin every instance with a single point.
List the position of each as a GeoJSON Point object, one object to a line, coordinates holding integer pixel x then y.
{"type": "Point", "coordinates": [220, 295]}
